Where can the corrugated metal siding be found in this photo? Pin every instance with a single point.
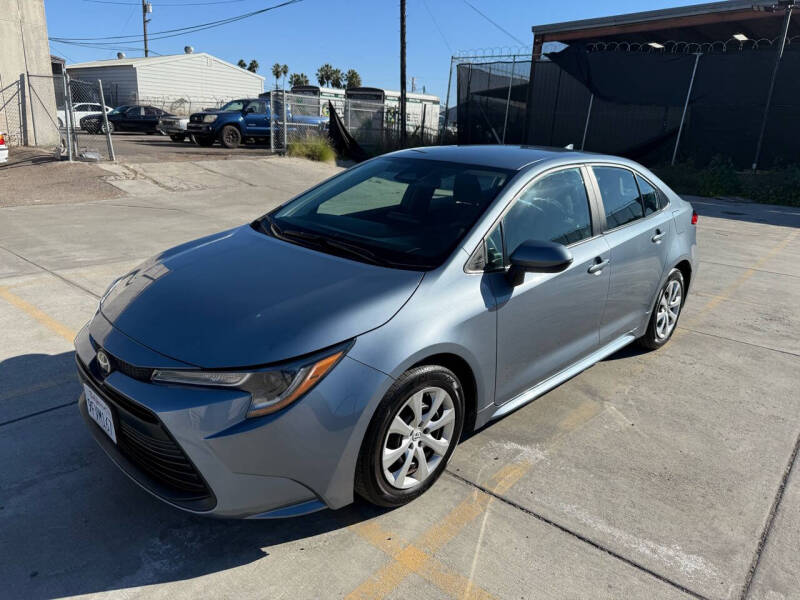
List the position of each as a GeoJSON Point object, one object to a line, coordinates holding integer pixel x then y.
{"type": "Point", "coordinates": [196, 76]}
{"type": "Point", "coordinates": [119, 82]}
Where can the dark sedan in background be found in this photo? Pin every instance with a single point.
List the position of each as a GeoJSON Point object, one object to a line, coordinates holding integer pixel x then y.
{"type": "Point", "coordinates": [126, 118]}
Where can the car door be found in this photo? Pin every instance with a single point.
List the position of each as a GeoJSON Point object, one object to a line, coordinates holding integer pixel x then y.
{"type": "Point", "coordinates": [130, 119]}
{"type": "Point", "coordinates": [150, 118]}
{"type": "Point", "coordinates": [638, 232]}
{"type": "Point", "coordinates": [255, 119]}
{"type": "Point", "coordinates": [550, 320]}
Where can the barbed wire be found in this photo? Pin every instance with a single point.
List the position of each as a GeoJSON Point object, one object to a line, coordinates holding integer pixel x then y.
{"type": "Point", "coordinates": [679, 47]}
{"type": "Point", "coordinates": [493, 52]}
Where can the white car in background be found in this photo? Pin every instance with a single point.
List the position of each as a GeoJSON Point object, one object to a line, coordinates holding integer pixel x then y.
{"type": "Point", "coordinates": [80, 110]}
{"type": "Point", "coordinates": [3, 148]}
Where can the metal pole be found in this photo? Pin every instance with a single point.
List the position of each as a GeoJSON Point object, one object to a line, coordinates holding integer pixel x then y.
{"type": "Point", "coordinates": [144, 25]}
{"type": "Point", "coordinates": [586, 125]}
{"type": "Point", "coordinates": [285, 125]}
{"type": "Point", "coordinates": [447, 99]}
{"type": "Point", "coordinates": [271, 122]}
{"type": "Point", "coordinates": [105, 121]}
{"type": "Point", "coordinates": [508, 98]}
{"type": "Point", "coordinates": [784, 31]}
{"type": "Point", "coordinates": [685, 107]}
{"type": "Point", "coordinates": [403, 73]}
{"type": "Point", "coordinates": [67, 116]}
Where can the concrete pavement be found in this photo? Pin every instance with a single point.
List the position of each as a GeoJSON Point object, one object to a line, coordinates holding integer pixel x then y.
{"type": "Point", "coordinates": [651, 475]}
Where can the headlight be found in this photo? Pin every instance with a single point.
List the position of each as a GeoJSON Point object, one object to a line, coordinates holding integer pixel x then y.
{"type": "Point", "coordinates": [270, 390]}
{"type": "Point", "coordinates": [209, 118]}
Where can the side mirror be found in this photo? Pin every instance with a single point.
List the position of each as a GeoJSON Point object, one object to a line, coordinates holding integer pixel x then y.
{"type": "Point", "coordinates": [537, 256]}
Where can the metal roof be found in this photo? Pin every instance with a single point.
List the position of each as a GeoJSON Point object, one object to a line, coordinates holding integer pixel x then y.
{"type": "Point", "coordinates": [152, 60]}
{"type": "Point", "coordinates": [704, 21]}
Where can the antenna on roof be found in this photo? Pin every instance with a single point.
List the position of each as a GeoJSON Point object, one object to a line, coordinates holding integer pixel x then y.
{"type": "Point", "coordinates": [120, 55]}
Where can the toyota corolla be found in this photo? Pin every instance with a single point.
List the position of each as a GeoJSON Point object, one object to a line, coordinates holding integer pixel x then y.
{"type": "Point", "coordinates": [343, 343]}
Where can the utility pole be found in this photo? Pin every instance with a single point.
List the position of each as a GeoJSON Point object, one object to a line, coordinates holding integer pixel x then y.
{"type": "Point", "coordinates": [146, 8]}
{"type": "Point", "coordinates": [403, 72]}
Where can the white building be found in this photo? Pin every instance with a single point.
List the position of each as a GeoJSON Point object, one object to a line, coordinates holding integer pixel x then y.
{"type": "Point", "coordinates": [179, 83]}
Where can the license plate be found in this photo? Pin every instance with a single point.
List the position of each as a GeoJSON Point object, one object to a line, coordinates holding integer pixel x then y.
{"type": "Point", "coordinates": [100, 412]}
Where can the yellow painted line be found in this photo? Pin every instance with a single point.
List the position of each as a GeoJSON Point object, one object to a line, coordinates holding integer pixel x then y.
{"type": "Point", "coordinates": [34, 312]}
{"type": "Point", "coordinates": [725, 294]}
{"type": "Point", "coordinates": [418, 557]}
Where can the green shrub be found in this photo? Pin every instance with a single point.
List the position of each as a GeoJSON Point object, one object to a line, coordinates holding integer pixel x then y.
{"type": "Point", "coordinates": [778, 186]}
{"type": "Point", "coordinates": [312, 148]}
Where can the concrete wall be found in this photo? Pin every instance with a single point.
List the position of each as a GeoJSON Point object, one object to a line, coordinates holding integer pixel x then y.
{"type": "Point", "coordinates": [27, 111]}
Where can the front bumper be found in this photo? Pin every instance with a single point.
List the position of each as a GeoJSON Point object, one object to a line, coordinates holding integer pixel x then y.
{"type": "Point", "coordinates": [292, 462]}
{"type": "Point", "coordinates": [200, 128]}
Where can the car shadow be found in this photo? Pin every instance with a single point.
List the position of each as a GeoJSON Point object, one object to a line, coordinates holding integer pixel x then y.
{"type": "Point", "coordinates": [742, 210]}
{"type": "Point", "coordinates": [71, 523]}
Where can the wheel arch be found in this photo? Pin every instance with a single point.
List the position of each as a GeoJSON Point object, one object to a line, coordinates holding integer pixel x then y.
{"type": "Point", "coordinates": [466, 377]}
{"type": "Point", "coordinates": [685, 267]}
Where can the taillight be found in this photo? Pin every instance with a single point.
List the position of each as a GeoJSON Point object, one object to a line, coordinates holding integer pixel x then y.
{"type": "Point", "coordinates": [2, 140]}
{"type": "Point", "coordinates": [694, 217]}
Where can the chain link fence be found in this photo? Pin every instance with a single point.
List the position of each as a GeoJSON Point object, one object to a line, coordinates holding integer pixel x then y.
{"type": "Point", "coordinates": [298, 118]}
{"type": "Point", "coordinates": [86, 121]}
{"type": "Point", "coordinates": [45, 111]}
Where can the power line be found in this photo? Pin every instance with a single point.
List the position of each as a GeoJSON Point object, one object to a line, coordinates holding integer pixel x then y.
{"type": "Point", "coordinates": [159, 35]}
{"type": "Point", "coordinates": [516, 39]}
{"type": "Point", "coordinates": [436, 24]}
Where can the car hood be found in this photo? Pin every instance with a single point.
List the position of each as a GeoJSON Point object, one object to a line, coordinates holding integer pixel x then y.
{"type": "Point", "coordinates": [242, 298]}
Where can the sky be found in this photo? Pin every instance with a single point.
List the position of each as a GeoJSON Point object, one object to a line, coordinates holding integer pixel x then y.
{"type": "Point", "coordinates": [359, 34]}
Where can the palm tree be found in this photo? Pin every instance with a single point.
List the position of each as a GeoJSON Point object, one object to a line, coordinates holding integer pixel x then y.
{"type": "Point", "coordinates": [241, 64]}
{"type": "Point", "coordinates": [253, 66]}
{"type": "Point", "coordinates": [284, 72]}
{"type": "Point", "coordinates": [352, 79]}
{"type": "Point", "coordinates": [298, 79]}
{"type": "Point", "coordinates": [324, 74]}
{"type": "Point", "coordinates": [277, 69]}
{"type": "Point", "coordinates": [336, 78]}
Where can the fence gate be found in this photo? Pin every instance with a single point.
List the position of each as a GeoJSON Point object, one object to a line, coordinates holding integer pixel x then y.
{"type": "Point", "coordinates": [86, 125]}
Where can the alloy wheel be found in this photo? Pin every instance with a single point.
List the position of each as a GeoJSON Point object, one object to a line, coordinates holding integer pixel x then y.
{"type": "Point", "coordinates": [419, 436]}
{"type": "Point", "coordinates": [669, 307]}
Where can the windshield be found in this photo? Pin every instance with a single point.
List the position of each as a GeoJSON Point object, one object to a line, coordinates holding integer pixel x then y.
{"type": "Point", "coordinates": [402, 212]}
{"type": "Point", "coordinates": [234, 106]}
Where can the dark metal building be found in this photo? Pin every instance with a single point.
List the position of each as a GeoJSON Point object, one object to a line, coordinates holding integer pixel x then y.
{"type": "Point", "coordinates": [685, 83]}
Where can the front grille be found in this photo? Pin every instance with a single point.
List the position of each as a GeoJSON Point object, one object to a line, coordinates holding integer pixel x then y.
{"type": "Point", "coordinates": [140, 373]}
{"type": "Point", "coordinates": [161, 458]}
{"type": "Point", "coordinates": [146, 443]}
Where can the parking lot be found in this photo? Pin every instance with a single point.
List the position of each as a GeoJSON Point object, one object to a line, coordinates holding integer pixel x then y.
{"type": "Point", "coordinates": [651, 475]}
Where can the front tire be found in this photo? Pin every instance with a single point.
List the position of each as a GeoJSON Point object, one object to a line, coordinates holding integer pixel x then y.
{"type": "Point", "coordinates": [177, 137]}
{"type": "Point", "coordinates": [411, 437]}
{"type": "Point", "coordinates": [666, 312]}
{"type": "Point", "coordinates": [102, 128]}
{"type": "Point", "coordinates": [230, 137]}
{"type": "Point", "coordinates": [204, 140]}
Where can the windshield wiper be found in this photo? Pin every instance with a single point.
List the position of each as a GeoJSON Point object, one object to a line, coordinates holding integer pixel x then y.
{"type": "Point", "coordinates": [356, 250]}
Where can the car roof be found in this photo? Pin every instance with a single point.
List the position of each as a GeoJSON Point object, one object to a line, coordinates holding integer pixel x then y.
{"type": "Point", "coordinates": [504, 157]}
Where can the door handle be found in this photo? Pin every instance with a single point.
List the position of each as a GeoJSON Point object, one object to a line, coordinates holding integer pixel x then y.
{"type": "Point", "coordinates": [598, 266]}
{"type": "Point", "coordinates": [658, 236]}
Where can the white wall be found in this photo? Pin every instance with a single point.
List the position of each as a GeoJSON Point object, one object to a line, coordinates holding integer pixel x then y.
{"type": "Point", "coordinates": [196, 76]}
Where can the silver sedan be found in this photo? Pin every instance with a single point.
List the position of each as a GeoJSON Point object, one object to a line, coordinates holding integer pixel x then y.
{"type": "Point", "coordinates": [343, 343]}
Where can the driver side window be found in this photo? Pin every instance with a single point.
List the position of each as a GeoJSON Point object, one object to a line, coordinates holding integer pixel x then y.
{"type": "Point", "coordinates": [553, 208]}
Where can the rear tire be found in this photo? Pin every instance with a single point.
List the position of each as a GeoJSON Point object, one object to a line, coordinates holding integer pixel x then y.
{"type": "Point", "coordinates": [666, 312]}
{"type": "Point", "coordinates": [230, 137]}
{"type": "Point", "coordinates": [413, 434]}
